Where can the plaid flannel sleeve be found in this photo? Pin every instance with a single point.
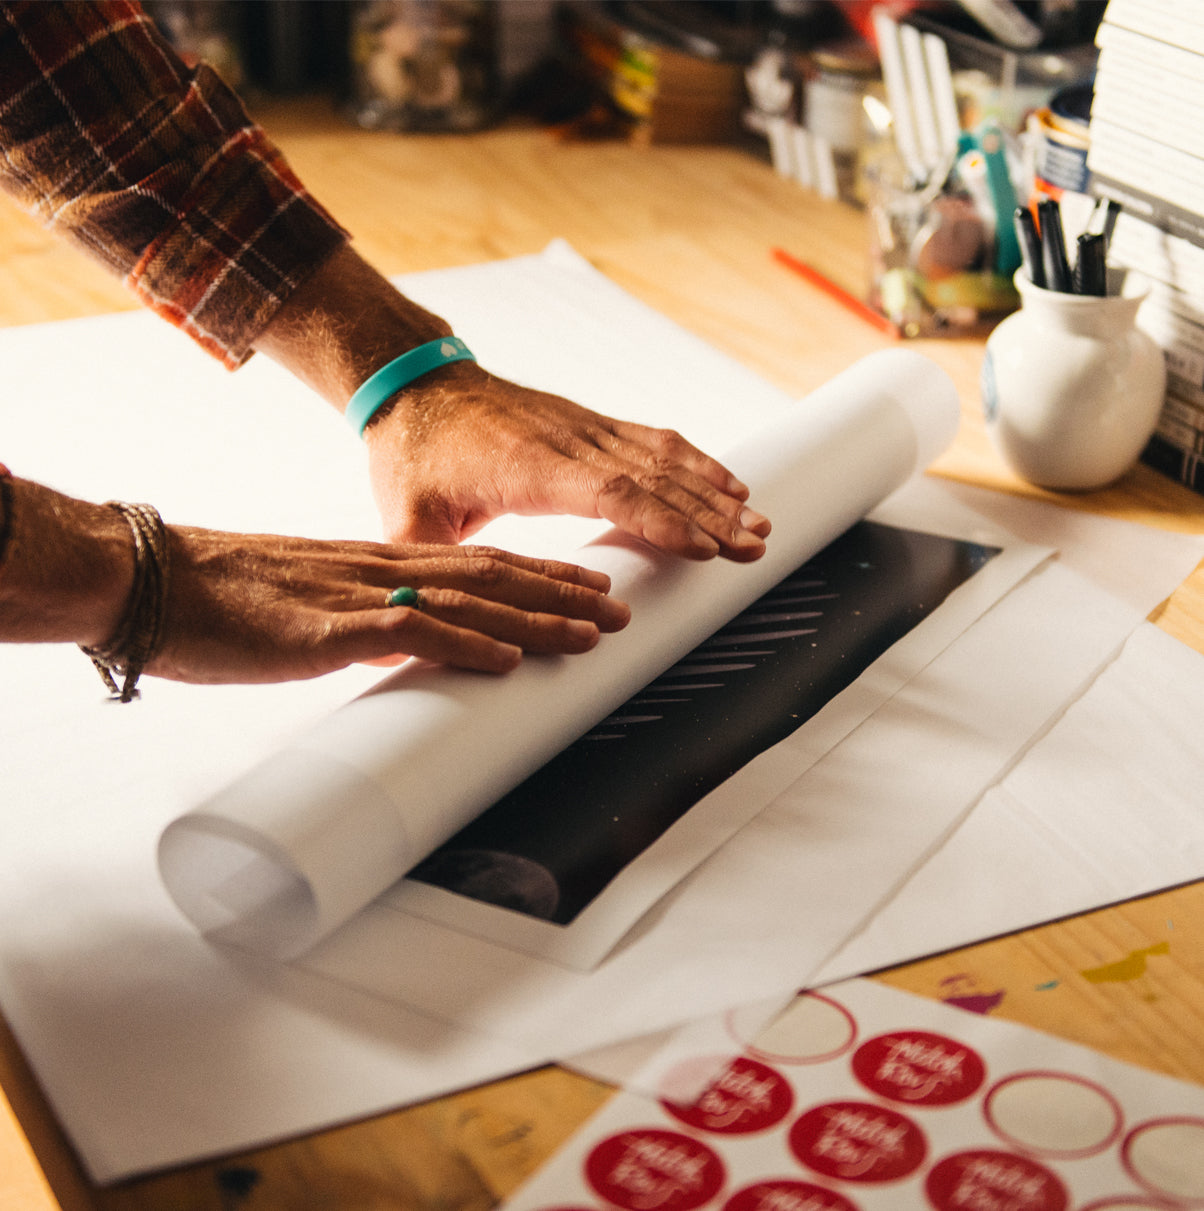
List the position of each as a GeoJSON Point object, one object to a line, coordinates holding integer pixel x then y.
{"type": "Point", "coordinates": [154, 168]}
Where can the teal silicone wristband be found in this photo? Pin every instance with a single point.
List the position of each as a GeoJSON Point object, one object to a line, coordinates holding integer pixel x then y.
{"type": "Point", "coordinates": [400, 372]}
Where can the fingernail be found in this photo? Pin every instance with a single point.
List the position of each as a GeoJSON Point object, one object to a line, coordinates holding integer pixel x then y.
{"type": "Point", "coordinates": [595, 580]}
{"type": "Point", "coordinates": [735, 487]}
{"type": "Point", "coordinates": [701, 539]}
{"type": "Point", "coordinates": [758, 523]}
{"type": "Point", "coordinates": [583, 634]}
{"type": "Point", "coordinates": [616, 614]}
{"type": "Point", "coordinates": [509, 657]}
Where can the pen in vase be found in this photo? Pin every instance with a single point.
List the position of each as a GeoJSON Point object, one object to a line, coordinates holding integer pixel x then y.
{"type": "Point", "coordinates": [1053, 247]}
{"type": "Point", "coordinates": [1030, 245]}
{"type": "Point", "coordinates": [1090, 267]}
{"type": "Point", "coordinates": [1103, 218]}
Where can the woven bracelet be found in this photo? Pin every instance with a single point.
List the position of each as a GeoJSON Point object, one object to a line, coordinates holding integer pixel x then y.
{"type": "Point", "coordinates": [6, 509]}
{"type": "Point", "coordinates": [137, 638]}
{"type": "Point", "coordinates": [401, 372]}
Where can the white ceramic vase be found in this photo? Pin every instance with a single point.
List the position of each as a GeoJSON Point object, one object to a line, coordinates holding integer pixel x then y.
{"type": "Point", "coordinates": [1071, 388]}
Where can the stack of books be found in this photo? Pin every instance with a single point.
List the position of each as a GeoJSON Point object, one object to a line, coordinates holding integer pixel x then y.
{"type": "Point", "coordinates": [1147, 152]}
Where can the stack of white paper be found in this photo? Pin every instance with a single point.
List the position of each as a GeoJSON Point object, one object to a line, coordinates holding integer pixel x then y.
{"type": "Point", "coordinates": [156, 1046]}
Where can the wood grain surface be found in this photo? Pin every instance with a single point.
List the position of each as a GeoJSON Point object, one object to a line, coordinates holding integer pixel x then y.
{"type": "Point", "coordinates": [689, 231]}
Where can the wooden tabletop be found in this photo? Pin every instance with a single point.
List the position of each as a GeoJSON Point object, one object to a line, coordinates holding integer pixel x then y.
{"type": "Point", "coordinates": [689, 231]}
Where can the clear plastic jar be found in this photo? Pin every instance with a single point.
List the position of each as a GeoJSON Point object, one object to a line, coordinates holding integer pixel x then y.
{"type": "Point", "coordinates": [429, 65]}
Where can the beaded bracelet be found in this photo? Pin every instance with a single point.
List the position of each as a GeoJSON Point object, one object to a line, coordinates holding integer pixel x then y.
{"type": "Point", "coordinates": [137, 638]}
{"type": "Point", "coordinates": [400, 372]}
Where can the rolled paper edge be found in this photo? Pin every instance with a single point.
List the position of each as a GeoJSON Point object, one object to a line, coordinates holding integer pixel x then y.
{"type": "Point", "coordinates": [279, 885]}
{"type": "Point", "coordinates": [277, 870]}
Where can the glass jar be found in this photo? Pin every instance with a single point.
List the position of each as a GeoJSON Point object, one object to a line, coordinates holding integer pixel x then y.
{"type": "Point", "coordinates": [424, 65]}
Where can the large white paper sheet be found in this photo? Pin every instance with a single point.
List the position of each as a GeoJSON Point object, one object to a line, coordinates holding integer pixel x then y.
{"type": "Point", "coordinates": [155, 1047]}
{"type": "Point", "coordinates": [634, 771]}
{"type": "Point", "coordinates": [1108, 798]}
{"type": "Point", "coordinates": [306, 839]}
{"type": "Point", "coordinates": [804, 873]}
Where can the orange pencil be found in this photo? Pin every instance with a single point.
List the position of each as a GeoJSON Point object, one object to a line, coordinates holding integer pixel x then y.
{"type": "Point", "coordinates": [855, 305]}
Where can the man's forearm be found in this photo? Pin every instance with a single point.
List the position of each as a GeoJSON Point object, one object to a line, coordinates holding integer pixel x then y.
{"type": "Point", "coordinates": [343, 324]}
{"type": "Point", "coordinates": [66, 570]}
{"type": "Point", "coordinates": [154, 168]}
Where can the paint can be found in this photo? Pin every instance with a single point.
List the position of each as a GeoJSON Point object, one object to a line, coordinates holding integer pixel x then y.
{"type": "Point", "coordinates": [1060, 134]}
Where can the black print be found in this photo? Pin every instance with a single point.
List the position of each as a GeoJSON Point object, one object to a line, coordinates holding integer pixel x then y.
{"type": "Point", "coordinates": [553, 844]}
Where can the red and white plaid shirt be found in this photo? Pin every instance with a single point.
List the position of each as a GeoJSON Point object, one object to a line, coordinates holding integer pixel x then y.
{"type": "Point", "coordinates": [154, 168]}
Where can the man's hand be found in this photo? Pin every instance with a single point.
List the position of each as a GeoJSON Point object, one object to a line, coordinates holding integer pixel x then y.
{"type": "Point", "coordinates": [459, 447]}
{"type": "Point", "coordinates": [259, 608]}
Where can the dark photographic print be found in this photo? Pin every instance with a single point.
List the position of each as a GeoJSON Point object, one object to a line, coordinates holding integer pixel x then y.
{"type": "Point", "coordinates": [550, 846]}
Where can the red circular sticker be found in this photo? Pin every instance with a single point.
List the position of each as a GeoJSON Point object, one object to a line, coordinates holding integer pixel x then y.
{"type": "Point", "coordinates": [785, 1194]}
{"type": "Point", "coordinates": [966, 1181]}
{"type": "Point", "coordinates": [746, 1096]}
{"type": "Point", "coordinates": [858, 1142]}
{"type": "Point", "coordinates": [919, 1068]}
{"type": "Point", "coordinates": [647, 1169]}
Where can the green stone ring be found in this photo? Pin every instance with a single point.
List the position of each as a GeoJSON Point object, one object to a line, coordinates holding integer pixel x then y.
{"type": "Point", "coordinates": [405, 596]}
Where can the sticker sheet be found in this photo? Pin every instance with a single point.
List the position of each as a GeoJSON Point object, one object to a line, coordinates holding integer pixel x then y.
{"type": "Point", "coordinates": [861, 1097]}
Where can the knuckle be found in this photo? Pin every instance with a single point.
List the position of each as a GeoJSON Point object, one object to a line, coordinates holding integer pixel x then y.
{"type": "Point", "coordinates": [567, 600]}
{"type": "Point", "coordinates": [486, 569]}
{"type": "Point", "coordinates": [447, 600]}
{"type": "Point", "coordinates": [404, 619]}
{"type": "Point", "coordinates": [617, 486]}
{"type": "Point", "coordinates": [669, 442]}
{"type": "Point", "coordinates": [478, 550]}
{"type": "Point", "coordinates": [663, 466]}
{"type": "Point", "coordinates": [657, 479]}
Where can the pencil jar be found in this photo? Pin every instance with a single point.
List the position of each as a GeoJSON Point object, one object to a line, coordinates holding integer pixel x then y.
{"type": "Point", "coordinates": [1072, 389]}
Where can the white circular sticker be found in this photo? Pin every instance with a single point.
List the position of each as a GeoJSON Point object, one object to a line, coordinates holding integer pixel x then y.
{"type": "Point", "coordinates": [1125, 1202]}
{"type": "Point", "coordinates": [1167, 1157]}
{"type": "Point", "coordinates": [1054, 1114]}
{"type": "Point", "coordinates": [810, 1030]}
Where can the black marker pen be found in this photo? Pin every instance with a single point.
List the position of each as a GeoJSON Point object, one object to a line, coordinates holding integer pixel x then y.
{"type": "Point", "coordinates": [1090, 269]}
{"type": "Point", "coordinates": [1053, 246]}
{"type": "Point", "coordinates": [1030, 245]}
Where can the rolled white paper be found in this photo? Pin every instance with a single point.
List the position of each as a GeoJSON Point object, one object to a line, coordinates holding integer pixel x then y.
{"type": "Point", "coordinates": [280, 858]}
